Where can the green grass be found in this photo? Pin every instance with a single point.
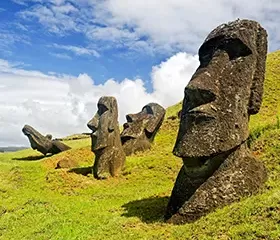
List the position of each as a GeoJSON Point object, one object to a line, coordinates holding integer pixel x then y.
{"type": "Point", "coordinates": [38, 202]}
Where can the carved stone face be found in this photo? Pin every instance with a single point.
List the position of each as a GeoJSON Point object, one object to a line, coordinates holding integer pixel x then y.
{"type": "Point", "coordinates": [37, 140]}
{"type": "Point", "coordinates": [141, 128]}
{"type": "Point", "coordinates": [145, 122]}
{"type": "Point", "coordinates": [104, 123]}
{"type": "Point", "coordinates": [106, 141]}
{"type": "Point", "coordinates": [225, 89]}
{"type": "Point", "coordinates": [43, 144]}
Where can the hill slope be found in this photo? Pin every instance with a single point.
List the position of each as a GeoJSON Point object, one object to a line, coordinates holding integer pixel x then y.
{"type": "Point", "coordinates": [38, 202]}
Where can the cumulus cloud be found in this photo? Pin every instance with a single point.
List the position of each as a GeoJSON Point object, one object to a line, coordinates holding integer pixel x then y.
{"type": "Point", "coordinates": [165, 25]}
{"type": "Point", "coordinates": [62, 104]}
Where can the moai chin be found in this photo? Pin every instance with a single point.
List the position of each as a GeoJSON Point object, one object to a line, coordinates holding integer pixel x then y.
{"type": "Point", "coordinates": [140, 129]}
{"type": "Point", "coordinates": [106, 142]}
{"type": "Point", "coordinates": [225, 90]}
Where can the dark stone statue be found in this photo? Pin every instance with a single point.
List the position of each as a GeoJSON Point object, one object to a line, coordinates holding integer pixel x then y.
{"type": "Point", "coordinates": [141, 128]}
{"type": "Point", "coordinates": [218, 168]}
{"type": "Point", "coordinates": [43, 144]}
{"type": "Point", "coordinates": [106, 141]}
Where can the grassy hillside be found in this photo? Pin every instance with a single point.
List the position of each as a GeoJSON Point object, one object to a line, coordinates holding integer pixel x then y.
{"type": "Point", "coordinates": [38, 202]}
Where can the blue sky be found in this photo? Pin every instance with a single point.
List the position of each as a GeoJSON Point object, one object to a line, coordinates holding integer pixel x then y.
{"type": "Point", "coordinates": [58, 57]}
{"type": "Point", "coordinates": [33, 44]}
{"type": "Point", "coordinates": [37, 32]}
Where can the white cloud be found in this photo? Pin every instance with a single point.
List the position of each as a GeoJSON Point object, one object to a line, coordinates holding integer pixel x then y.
{"type": "Point", "coordinates": [7, 39]}
{"type": "Point", "coordinates": [24, 2]}
{"type": "Point", "coordinates": [78, 50]}
{"type": "Point", "coordinates": [170, 77]}
{"type": "Point", "coordinates": [20, 2]}
{"type": "Point", "coordinates": [63, 8]}
{"type": "Point", "coordinates": [56, 18]}
{"type": "Point", "coordinates": [62, 105]}
{"type": "Point", "coordinates": [61, 55]}
{"type": "Point", "coordinates": [21, 26]}
{"type": "Point", "coordinates": [166, 25]}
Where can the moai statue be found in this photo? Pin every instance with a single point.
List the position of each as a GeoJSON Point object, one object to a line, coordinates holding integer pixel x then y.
{"type": "Point", "coordinates": [43, 144]}
{"type": "Point", "coordinates": [218, 168]}
{"type": "Point", "coordinates": [140, 129]}
{"type": "Point", "coordinates": [106, 141]}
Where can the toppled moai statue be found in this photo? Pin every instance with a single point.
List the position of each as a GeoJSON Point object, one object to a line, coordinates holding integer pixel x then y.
{"type": "Point", "coordinates": [224, 91]}
{"type": "Point", "coordinates": [141, 128]}
{"type": "Point", "coordinates": [106, 141]}
{"type": "Point", "coordinates": [43, 144]}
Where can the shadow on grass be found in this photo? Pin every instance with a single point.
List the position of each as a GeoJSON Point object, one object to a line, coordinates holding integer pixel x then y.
{"type": "Point", "coordinates": [31, 158]}
{"type": "Point", "coordinates": [83, 171]}
{"type": "Point", "coordinates": [149, 210]}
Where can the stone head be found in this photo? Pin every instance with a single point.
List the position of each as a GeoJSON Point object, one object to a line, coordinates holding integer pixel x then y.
{"type": "Point", "coordinates": [37, 140]}
{"type": "Point", "coordinates": [224, 91]}
{"type": "Point", "coordinates": [104, 123]}
{"type": "Point", "coordinates": [145, 123]}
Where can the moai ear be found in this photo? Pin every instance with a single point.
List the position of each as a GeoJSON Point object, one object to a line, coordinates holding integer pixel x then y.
{"type": "Point", "coordinates": [158, 116]}
{"type": "Point", "coordinates": [259, 75]}
{"type": "Point", "coordinates": [111, 126]}
{"type": "Point", "coordinates": [113, 115]}
{"type": "Point", "coordinates": [153, 124]}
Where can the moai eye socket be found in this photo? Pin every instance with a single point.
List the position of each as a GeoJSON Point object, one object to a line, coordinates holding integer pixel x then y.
{"type": "Point", "coordinates": [149, 110]}
{"type": "Point", "coordinates": [101, 109]}
{"type": "Point", "coordinates": [234, 47]}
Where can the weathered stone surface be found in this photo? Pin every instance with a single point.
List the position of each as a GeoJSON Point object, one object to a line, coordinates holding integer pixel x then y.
{"type": "Point", "coordinates": [43, 144]}
{"type": "Point", "coordinates": [106, 141]}
{"type": "Point", "coordinates": [141, 128]}
{"type": "Point", "coordinates": [225, 90]}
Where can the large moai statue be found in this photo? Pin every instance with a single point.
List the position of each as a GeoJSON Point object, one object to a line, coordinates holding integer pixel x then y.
{"type": "Point", "coordinates": [43, 144]}
{"type": "Point", "coordinates": [106, 141]}
{"type": "Point", "coordinates": [218, 168]}
{"type": "Point", "coordinates": [140, 129]}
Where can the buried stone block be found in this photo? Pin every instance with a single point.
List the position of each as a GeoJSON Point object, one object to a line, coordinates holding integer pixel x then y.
{"type": "Point", "coordinates": [218, 168]}
{"type": "Point", "coordinates": [141, 128]}
{"type": "Point", "coordinates": [106, 141]}
{"type": "Point", "coordinates": [43, 144]}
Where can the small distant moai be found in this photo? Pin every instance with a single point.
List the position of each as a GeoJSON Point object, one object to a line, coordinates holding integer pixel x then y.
{"type": "Point", "coordinates": [218, 168]}
{"type": "Point", "coordinates": [140, 129]}
{"type": "Point", "coordinates": [106, 141]}
{"type": "Point", "coordinates": [43, 144]}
